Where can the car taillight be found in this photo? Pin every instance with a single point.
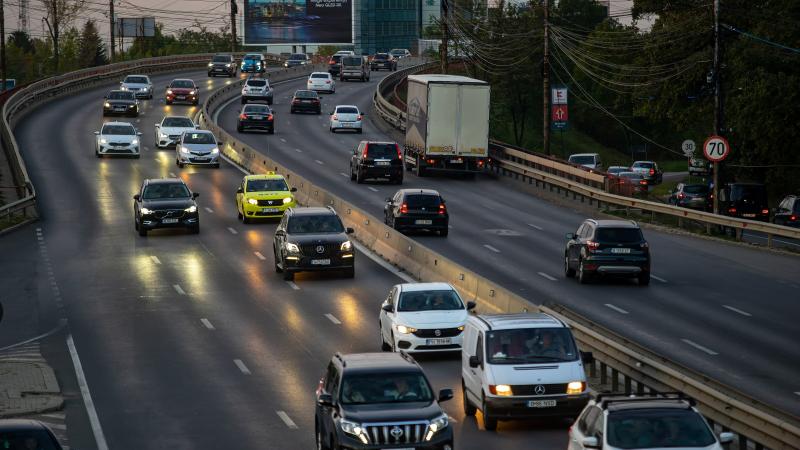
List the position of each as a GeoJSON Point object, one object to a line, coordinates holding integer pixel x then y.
{"type": "Point", "coordinates": [327, 81]}
{"type": "Point", "coordinates": [366, 148]}
{"type": "Point", "coordinates": [431, 161]}
{"type": "Point", "coordinates": [644, 245]}
{"type": "Point", "coordinates": [792, 218]}
{"type": "Point", "coordinates": [243, 116]}
{"type": "Point", "coordinates": [404, 208]}
{"type": "Point", "coordinates": [732, 210]}
{"type": "Point", "coordinates": [399, 153]}
{"type": "Point", "coordinates": [643, 182]}
{"type": "Point", "coordinates": [331, 61]}
{"type": "Point", "coordinates": [335, 117]}
{"type": "Point", "coordinates": [442, 208]}
{"type": "Point", "coordinates": [359, 117]}
{"type": "Point", "coordinates": [592, 245]}
{"type": "Point", "coordinates": [652, 171]}
{"type": "Point", "coordinates": [681, 195]}
{"type": "Point", "coordinates": [316, 100]}
{"type": "Point", "coordinates": [764, 211]}
{"type": "Point", "coordinates": [269, 117]}
{"type": "Point", "coordinates": [480, 162]}
{"type": "Point", "coordinates": [295, 100]}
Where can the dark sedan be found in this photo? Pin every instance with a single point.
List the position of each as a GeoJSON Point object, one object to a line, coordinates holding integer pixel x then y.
{"type": "Point", "coordinates": [383, 61]}
{"type": "Point", "coordinates": [256, 117]}
{"type": "Point", "coordinates": [417, 209]}
{"type": "Point", "coordinates": [165, 203]}
{"type": "Point", "coordinates": [695, 196]}
{"type": "Point", "coordinates": [122, 103]}
{"type": "Point", "coordinates": [27, 434]}
{"type": "Point", "coordinates": [788, 212]}
{"type": "Point", "coordinates": [306, 101]}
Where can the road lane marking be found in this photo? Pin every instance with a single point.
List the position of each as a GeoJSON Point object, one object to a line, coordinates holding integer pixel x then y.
{"type": "Point", "coordinates": [179, 289]}
{"type": "Point", "coordinates": [542, 274]}
{"type": "Point", "coordinates": [241, 366]}
{"type": "Point", "coordinates": [616, 308]}
{"type": "Point", "coordinates": [260, 256]}
{"type": "Point", "coordinates": [319, 162]}
{"type": "Point", "coordinates": [298, 150]}
{"type": "Point", "coordinates": [333, 319]}
{"type": "Point", "coordinates": [283, 140]}
{"type": "Point", "coordinates": [155, 259]}
{"type": "Point", "coordinates": [737, 310]}
{"type": "Point", "coordinates": [287, 420]}
{"type": "Point", "coordinates": [658, 278]}
{"type": "Point", "coordinates": [97, 430]}
{"type": "Point", "coordinates": [372, 189]}
{"type": "Point", "coordinates": [211, 211]}
{"type": "Point", "coordinates": [232, 230]}
{"type": "Point", "coordinates": [344, 174]}
{"type": "Point", "coordinates": [491, 248]}
{"type": "Point", "coordinates": [207, 324]}
{"type": "Point", "coordinates": [700, 347]}
{"type": "Point", "coordinates": [536, 227]}
{"type": "Point", "coordinates": [293, 285]}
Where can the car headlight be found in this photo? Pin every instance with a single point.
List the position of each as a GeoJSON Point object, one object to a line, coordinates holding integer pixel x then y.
{"type": "Point", "coordinates": [103, 141]}
{"type": "Point", "coordinates": [502, 390]}
{"type": "Point", "coordinates": [146, 211]}
{"type": "Point", "coordinates": [135, 142]}
{"type": "Point", "coordinates": [107, 105]}
{"type": "Point", "coordinates": [214, 151]}
{"type": "Point", "coordinates": [402, 329]}
{"type": "Point", "coordinates": [191, 209]}
{"type": "Point", "coordinates": [169, 91]}
{"type": "Point", "coordinates": [252, 201]}
{"type": "Point", "coordinates": [192, 92]}
{"type": "Point", "coordinates": [210, 64]}
{"type": "Point", "coordinates": [287, 200]}
{"type": "Point", "coordinates": [436, 425]}
{"type": "Point", "coordinates": [184, 150]}
{"type": "Point", "coordinates": [131, 106]}
{"type": "Point", "coordinates": [227, 65]}
{"type": "Point", "coordinates": [575, 387]}
{"type": "Point", "coordinates": [292, 248]}
{"type": "Point", "coordinates": [354, 429]}
{"type": "Point", "coordinates": [162, 136]}
{"type": "Point", "coordinates": [346, 246]}
{"type": "Point", "coordinates": [123, 88]}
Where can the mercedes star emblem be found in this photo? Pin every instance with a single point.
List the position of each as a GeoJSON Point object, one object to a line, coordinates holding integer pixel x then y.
{"type": "Point", "coordinates": [438, 333]}
{"type": "Point", "coordinates": [320, 249]}
{"type": "Point", "coordinates": [396, 432]}
{"type": "Point", "coordinates": [539, 389]}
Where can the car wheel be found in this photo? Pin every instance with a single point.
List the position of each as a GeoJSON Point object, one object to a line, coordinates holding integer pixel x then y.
{"type": "Point", "coordinates": [137, 156]}
{"type": "Point", "coordinates": [321, 445]}
{"type": "Point", "coordinates": [216, 166]}
{"type": "Point", "coordinates": [291, 111]}
{"type": "Point", "coordinates": [568, 272]}
{"type": "Point", "coordinates": [288, 275]}
{"type": "Point", "coordinates": [583, 277]}
{"type": "Point", "coordinates": [644, 279]}
{"type": "Point", "coordinates": [352, 174]}
{"type": "Point", "coordinates": [179, 164]}
{"type": "Point", "coordinates": [142, 230]}
{"type": "Point", "coordinates": [359, 176]}
{"type": "Point", "coordinates": [391, 344]}
{"type": "Point", "coordinates": [418, 169]}
{"type": "Point", "coordinates": [350, 273]}
{"type": "Point", "coordinates": [384, 346]}
{"type": "Point", "coordinates": [168, 102]}
{"type": "Point", "coordinates": [239, 128]}
{"type": "Point", "coordinates": [195, 229]}
{"type": "Point", "coordinates": [443, 232]}
{"type": "Point", "coordinates": [360, 131]}
{"type": "Point", "coordinates": [489, 422]}
{"type": "Point", "coordinates": [469, 408]}
{"type": "Point", "coordinates": [332, 130]}
{"type": "Point", "coordinates": [97, 154]}
{"type": "Point", "coordinates": [243, 101]}
{"type": "Point", "coordinates": [275, 258]}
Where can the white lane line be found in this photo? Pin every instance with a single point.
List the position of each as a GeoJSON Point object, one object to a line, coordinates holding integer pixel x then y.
{"type": "Point", "coordinates": [372, 189]}
{"type": "Point", "coordinates": [737, 310]}
{"type": "Point", "coordinates": [491, 248]}
{"type": "Point", "coordinates": [658, 278]}
{"type": "Point", "coordinates": [97, 430]}
{"type": "Point", "coordinates": [617, 308]}
{"type": "Point", "coordinates": [333, 319]}
{"type": "Point", "coordinates": [232, 230]}
{"type": "Point", "coordinates": [298, 150]}
{"type": "Point", "coordinates": [155, 259]}
{"type": "Point", "coordinates": [319, 162]}
{"type": "Point", "coordinates": [542, 274]}
{"type": "Point", "coordinates": [293, 285]}
{"type": "Point", "coordinates": [536, 227]}
{"type": "Point", "coordinates": [172, 174]}
{"type": "Point", "coordinates": [211, 211]}
{"type": "Point", "coordinates": [283, 140]}
{"type": "Point", "coordinates": [287, 420]}
{"type": "Point", "coordinates": [179, 289]}
{"type": "Point", "coordinates": [700, 347]}
{"type": "Point", "coordinates": [207, 324]}
{"type": "Point", "coordinates": [241, 366]}
{"type": "Point", "coordinates": [383, 263]}
{"type": "Point", "coordinates": [260, 256]}
{"type": "Point", "coordinates": [344, 174]}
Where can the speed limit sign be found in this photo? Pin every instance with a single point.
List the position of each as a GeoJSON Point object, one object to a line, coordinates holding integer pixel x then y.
{"type": "Point", "coordinates": [716, 148]}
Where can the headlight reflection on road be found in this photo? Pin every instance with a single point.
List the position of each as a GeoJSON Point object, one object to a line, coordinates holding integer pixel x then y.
{"type": "Point", "coordinates": [348, 311]}
{"type": "Point", "coordinates": [107, 204]}
{"type": "Point", "coordinates": [195, 274]}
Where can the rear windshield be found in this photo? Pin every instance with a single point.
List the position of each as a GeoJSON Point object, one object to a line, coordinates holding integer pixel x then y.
{"type": "Point", "coordinates": [320, 75]}
{"type": "Point", "coordinates": [198, 138]}
{"type": "Point", "coordinates": [178, 122]}
{"type": "Point", "coordinates": [182, 84]}
{"type": "Point", "coordinates": [417, 201]}
{"type": "Point", "coordinates": [797, 207]}
{"type": "Point", "coordinates": [305, 94]}
{"type": "Point", "coordinates": [618, 235]}
{"type": "Point", "coordinates": [336, 58]}
{"type": "Point", "coordinates": [165, 190]}
{"type": "Point", "coordinates": [257, 109]}
{"type": "Point", "coordinates": [530, 345]}
{"type": "Point", "coordinates": [26, 439]}
{"type": "Point", "coordinates": [257, 83]}
{"type": "Point", "coordinates": [755, 192]}
{"type": "Point", "coordinates": [298, 56]}
{"type": "Point", "coordinates": [429, 301]}
{"type": "Point", "coordinates": [118, 130]}
{"type": "Point", "coordinates": [384, 151]}
{"type": "Point", "coordinates": [120, 95]}
{"type": "Point", "coordinates": [136, 80]}
{"type": "Point", "coordinates": [581, 159]}
{"type": "Point", "coordinates": [658, 428]}
{"type": "Point", "coordinates": [315, 224]}
{"type": "Point", "coordinates": [267, 185]}
{"type": "Point", "coordinates": [352, 61]}
{"type": "Point", "coordinates": [225, 59]}
{"type": "Point", "coordinates": [696, 189]}
{"type": "Point", "coordinates": [646, 165]}
{"type": "Point", "coordinates": [346, 110]}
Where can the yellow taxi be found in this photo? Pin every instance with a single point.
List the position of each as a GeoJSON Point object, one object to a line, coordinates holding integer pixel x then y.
{"type": "Point", "coordinates": [263, 196]}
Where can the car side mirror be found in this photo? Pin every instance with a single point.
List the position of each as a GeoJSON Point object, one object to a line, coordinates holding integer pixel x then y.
{"type": "Point", "coordinates": [726, 437]}
{"type": "Point", "coordinates": [325, 400]}
{"type": "Point", "coordinates": [240, 191]}
{"type": "Point", "coordinates": [388, 200]}
{"type": "Point", "coordinates": [195, 195]}
{"type": "Point", "coordinates": [474, 361]}
{"type": "Point", "coordinates": [590, 442]}
{"type": "Point", "coordinates": [570, 236]}
{"type": "Point", "coordinates": [587, 357]}
{"type": "Point", "coordinates": [137, 197]}
{"type": "Point", "coordinates": [349, 230]}
{"type": "Point", "coordinates": [471, 306]}
{"type": "Point", "coordinates": [138, 133]}
{"type": "Point", "coordinates": [445, 395]}
{"type": "Point", "coordinates": [294, 189]}
{"type": "Point", "coordinates": [280, 233]}
{"type": "Point", "coordinates": [387, 307]}
{"type": "Point", "coordinates": [96, 133]}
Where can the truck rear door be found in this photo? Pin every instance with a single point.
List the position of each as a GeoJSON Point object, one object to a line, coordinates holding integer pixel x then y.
{"type": "Point", "coordinates": [473, 126]}
{"type": "Point", "coordinates": [442, 119]}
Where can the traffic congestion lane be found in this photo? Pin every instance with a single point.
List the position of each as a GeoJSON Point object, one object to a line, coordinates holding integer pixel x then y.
{"type": "Point", "coordinates": [522, 248]}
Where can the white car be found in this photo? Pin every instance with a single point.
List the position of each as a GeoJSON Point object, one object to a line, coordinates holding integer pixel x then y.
{"type": "Point", "coordinates": [423, 317]}
{"type": "Point", "coordinates": [346, 117]}
{"type": "Point", "coordinates": [616, 422]}
{"type": "Point", "coordinates": [117, 138]}
{"type": "Point", "coordinates": [257, 89]}
{"type": "Point", "coordinates": [591, 161]}
{"type": "Point", "coordinates": [321, 82]}
{"type": "Point", "coordinates": [169, 131]}
{"type": "Point", "coordinates": [400, 53]}
{"type": "Point", "coordinates": [140, 85]}
{"type": "Point", "coordinates": [198, 147]}
{"type": "Point", "coordinates": [345, 53]}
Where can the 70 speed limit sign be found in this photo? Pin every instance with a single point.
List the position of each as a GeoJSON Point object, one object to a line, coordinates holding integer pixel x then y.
{"type": "Point", "coordinates": [716, 148]}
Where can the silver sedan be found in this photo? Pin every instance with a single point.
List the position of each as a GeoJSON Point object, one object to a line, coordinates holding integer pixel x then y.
{"type": "Point", "coordinates": [198, 147]}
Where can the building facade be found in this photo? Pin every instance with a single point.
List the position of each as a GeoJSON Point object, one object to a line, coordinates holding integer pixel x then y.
{"type": "Point", "coordinates": [381, 25]}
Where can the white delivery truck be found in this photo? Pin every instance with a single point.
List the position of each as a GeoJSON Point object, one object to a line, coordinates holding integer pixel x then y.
{"type": "Point", "coordinates": [447, 124]}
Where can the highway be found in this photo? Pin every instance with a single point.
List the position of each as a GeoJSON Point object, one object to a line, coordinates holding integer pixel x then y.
{"type": "Point", "coordinates": [192, 341]}
{"type": "Point", "coordinates": [723, 309]}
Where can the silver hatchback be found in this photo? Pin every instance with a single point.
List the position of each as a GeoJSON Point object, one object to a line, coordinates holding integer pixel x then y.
{"type": "Point", "coordinates": [198, 147]}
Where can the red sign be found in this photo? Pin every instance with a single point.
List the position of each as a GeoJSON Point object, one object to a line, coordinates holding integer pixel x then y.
{"type": "Point", "coordinates": [560, 113]}
{"type": "Point", "coordinates": [716, 149]}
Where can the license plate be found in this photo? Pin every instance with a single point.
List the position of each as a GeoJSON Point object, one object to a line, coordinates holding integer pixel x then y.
{"type": "Point", "coordinates": [256, 117]}
{"type": "Point", "coordinates": [119, 108]}
{"type": "Point", "coordinates": [748, 215]}
{"type": "Point", "coordinates": [320, 262]}
{"type": "Point", "coordinates": [269, 210]}
{"type": "Point", "coordinates": [456, 161]}
{"type": "Point", "coordinates": [438, 341]}
{"type": "Point", "coordinates": [620, 250]}
{"type": "Point", "coordinates": [201, 159]}
{"type": "Point", "coordinates": [541, 403]}
{"type": "Point", "coordinates": [423, 222]}
{"type": "Point", "coordinates": [180, 97]}
{"type": "Point", "coordinates": [170, 220]}
{"type": "Point", "coordinates": [382, 163]}
{"type": "Point", "coordinates": [306, 101]}
{"type": "Point", "coordinates": [347, 125]}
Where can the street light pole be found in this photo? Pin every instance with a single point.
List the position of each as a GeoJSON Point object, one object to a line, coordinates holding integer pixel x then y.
{"type": "Point", "coordinates": [718, 98]}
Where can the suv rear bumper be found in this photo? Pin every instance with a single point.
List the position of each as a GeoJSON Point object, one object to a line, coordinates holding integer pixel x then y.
{"type": "Point", "coordinates": [381, 171]}
{"type": "Point", "coordinates": [517, 407]}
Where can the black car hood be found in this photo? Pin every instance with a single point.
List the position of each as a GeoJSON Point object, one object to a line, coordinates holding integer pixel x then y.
{"type": "Point", "coordinates": [175, 203]}
{"type": "Point", "coordinates": [322, 238]}
{"type": "Point", "coordinates": [391, 412]}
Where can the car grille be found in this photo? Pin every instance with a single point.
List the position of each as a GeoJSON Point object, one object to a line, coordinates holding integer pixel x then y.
{"type": "Point", "coordinates": [118, 144]}
{"type": "Point", "coordinates": [171, 213]}
{"type": "Point", "coordinates": [443, 332]}
{"type": "Point", "coordinates": [174, 137]}
{"type": "Point", "coordinates": [530, 389]}
{"type": "Point", "coordinates": [200, 153]}
{"type": "Point", "coordinates": [270, 202]}
{"type": "Point", "coordinates": [401, 433]}
{"type": "Point", "coordinates": [311, 249]}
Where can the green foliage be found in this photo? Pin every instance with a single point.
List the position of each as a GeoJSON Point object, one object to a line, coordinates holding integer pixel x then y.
{"type": "Point", "coordinates": [328, 50]}
{"type": "Point", "coordinates": [91, 52]}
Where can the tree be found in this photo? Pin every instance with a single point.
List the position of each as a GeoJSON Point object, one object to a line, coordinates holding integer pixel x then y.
{"type": "Point", "coordinates": [91, 50]}
{"type": "Point", "coordinates": [58, 16]}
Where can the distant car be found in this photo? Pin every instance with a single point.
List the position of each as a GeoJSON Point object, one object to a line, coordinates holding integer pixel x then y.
{"type": "Point", "coordinates": [140, 85]}
{"type": "Point", "coordinates": [222, 65]}
{"type": "Point", "coordinates": [346, 117]}
{"type": "Point", "coordinates": [699, 167]}
{"type": "Point", "coordinates": [788, 212]}
{"type": "Point", "coordinates": [399, 53]}
{"type": "Point", "coordinates": [182, 90]}
{"type": "Point", "coordinates": [198, 147]}
{"type": "Point", "coordinates": [345, 53]}
{"type": "Point", "coordinates": [354, 67]}
{"type": "Point", "coordinates": [417, 209]}
{"type": "Point", "coordinates": [607, 248]}
{"type": "Point", "coordinates": [165, 203]}
{"type": "Point", "coordinates": [321, 82]}
{"type": "Point", "coordinates": [169, 131]}
{"type": "Point", "coordinates": [660, 421]}
{"type": "Point", "coordinates": [377, 160]}
{"type": "Point", "coordinates": [616, 170]}
{"type": "Point", "coordinates": [253, 62]}
{"type": "Point", "coordinates": [305, 101]}
{"type": "Point", "coordinates": [257, 89]}
{"type": "Point", "coordinates": [117, 138]}
{"type": "Point", "coordinates": [423, 317]}
{"type": "Point", "coordinates": [383, 61]}
{"type": "Point", "coordinates": [745, 200]}
{"type": "Point", "coordinates": [120, 103]}
{"type": "Point", "coordinates": [695, 196]}
{"type": "Point", "coordinates": [255, 116]}
{"type": "Point", "coordinates": [297, 59]}
{"type": "Point", "coordinates": [312, 239]}
{"type": "Point", "coordinates": [649, 170]}
{"type": "Point", "coordinates": [591, 161]}
{"type": "Point", "coordinates": [263, 196]}
{"type": "Point", "coordinates": [26, 434]}
{"type": "Point", "coordinates": [633, 183]}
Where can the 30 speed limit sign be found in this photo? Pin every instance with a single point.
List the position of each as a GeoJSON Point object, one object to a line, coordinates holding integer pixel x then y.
{"type": "Point", "coordinates": [716, 148]}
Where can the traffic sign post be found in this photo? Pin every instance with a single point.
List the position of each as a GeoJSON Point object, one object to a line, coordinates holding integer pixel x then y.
{"type": "Point", "coordinates": [559, 111]}
{"type": "Point", "coordinates": [716, 149]}
{"type": "Point", "coordinates": [688, 148]}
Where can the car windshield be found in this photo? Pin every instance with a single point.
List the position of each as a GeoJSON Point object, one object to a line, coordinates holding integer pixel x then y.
{"type": "Point", "coordinates": [382, 151]}
{"type": "Point", "coordinates": [136, 80]}
{"type": "Point", "coordinates": [125, 130]}
{"type": "Point", "coordinates": [302, 224]}
{"type": "Point", "coordinates": [305, 94]}
{"type": "Point", "coordinates": [397, 52]}
{"type": "Point", "coordinates": [257, 109]}
{"type": "Point", "coordinates": [346, 110]}
{"type": "Point", "coordinates": [754, 192]}
{"type": "Point", "coordinates": [253, 57]}
{"type": "Point", "coordinates": [695, 189]}
{"type": "Point", "coordinates": [382, 387]}
{"type": "Point", "coordinates": [120, 95]}
{"type": "Point", "coordinates": [267, 185]}
{"type": "Point", "coordinates": [257, 83]}
{"type": "Point", "coordinates": [582, 159]}
{"type": "Point", "coordinates": [429, 301]}
{"type": "Point", "coordinates": [657, 428]}
{"type": "Point", "coordinates": [198, 138]}
{"type": "Point", "coordinates": [320, 75]}
{"type": "Point", "coordinates": [643, 165]}
{"type": "Point", "coordinates": [531, 345]}
{"type": "Point", "coordinates": [26, 439]}
{"type": "Point", "coordinates": [222, 59]}
{"type": "Point", "coordinates": [381, 56]}
{"type": "Point", "coordinates": [158, 191]}
{"type": "Point", "coordinates": [182, 84]}
{"type": "Point", "coordinates": [351, 61]}
{"type": "Point", "coordinates": [420, 201]}
{"type": "Point", "coordinates": [178, 122]}
{"type": "Point", "coordinates": [619, 235]}
{"type": "Point", "coordinates": [298, 57]}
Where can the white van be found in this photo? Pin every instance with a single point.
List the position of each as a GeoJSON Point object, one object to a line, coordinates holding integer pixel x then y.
{"type": "Point", "coordinates": [518, 366]}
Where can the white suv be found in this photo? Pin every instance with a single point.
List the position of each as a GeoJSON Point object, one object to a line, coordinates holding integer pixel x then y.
{"type": "Point", "coordinates": [591, 161]}
{"type": "Point", "coordinates": [423, 317]}
{"type": "Point", "coordinates": [616, 421]}
{"type": "Point", "coordinates": [321, 82]}
{"type": "Point", "coordinates": [257, 89]}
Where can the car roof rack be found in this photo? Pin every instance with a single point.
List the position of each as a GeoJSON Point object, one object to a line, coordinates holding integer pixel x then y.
{"type": "Point", "coordinates": [605, 398]}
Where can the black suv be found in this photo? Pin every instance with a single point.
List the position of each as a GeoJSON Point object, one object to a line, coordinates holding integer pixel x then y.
{"type": "Point", "coordinates": [222, 65]}
{"type": "Point", "coordinates": [305, 101]}
{"type": "Point", "coordinates": [165, 203]}
{"type": "Point", "coordinates": [417, 209]}
{"type": "Point", "coordinates": [607, 247]}
{"type": "Point", "coordinates": [377, 401]}
{"type": "Point", "coordinates": [788, 212]}
{"type": "Point", "coordinates": [383, 61]}
{"type": "Point", "coordinates": [745, 200]}
{"type": "Point", "coordinates": [335, 65]}
{"type": "Point", "coordinates": [377, 160]}
{"type": "Point", "coordinates": [122, 103]}
{"type": "Point", "coordinates": [312, 239]}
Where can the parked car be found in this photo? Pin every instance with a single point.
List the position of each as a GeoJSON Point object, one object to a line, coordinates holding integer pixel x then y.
{"type": "Point", "coordinates": [383, 61]}
{"type": "Point", "coordinates": [165, 203]}
{"type": "Point", "coordinates": [305, 101]}
{"type": "Point", "coordinates": [256, 116]}
{"type": "Point", "coordinates": [169, 131]}
{"type": "Point", "coordinates": [377, 160]}
{"type": "Point", "coordinates": [346, 117]}
{"type": "Point", "coordinates": [257, 89]}
{"type": "Point", "coordinates": [321, 82]}
{"type": "Point", "coordinates": [254, 62]}
{"type": "Point", "coordinates": [649, 170]}
{"type": "Point", "coordinates": [117, 138]}
{"type": "Point", "coordinates": [222, 65]}
{"type": "Point", "coordinates": [297, 59]}
{"type": "Point", "coordinates": [591, 161]}
{"type": "Point", "coordinates": [120, 103]}
{"type": "Point", "coordinates": [24, 434]}
{"type": "Point", "coordinates": [607, 248]}
{"type": "Point", "coordinates": [695, 196]}
{"type": "Point", "coordinates": [788, 212]}
{"type": "Point", "coordinates": [417, 209]}
{"type": "Point", "coordinates": [399, 53]}
{"type": "Point", "coordinates": [354, 67]}
{"type": "Point", "coordinates": [182, 90]}
{"type": "Point", "coordinates": [198, 147]}
{"type": "Point", "coordinates": [140, 85]}
{"type": "Point", "coordinates": [700, 167]}
{"type": "Point", "coordinates": [745, 200]}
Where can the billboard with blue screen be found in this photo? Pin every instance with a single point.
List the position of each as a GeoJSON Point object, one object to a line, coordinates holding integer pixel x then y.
{"type": "Point", "coordinates": [298, 22]}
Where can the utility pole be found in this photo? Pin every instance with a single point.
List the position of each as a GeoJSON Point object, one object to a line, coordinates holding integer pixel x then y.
{"type": "Point", "coordinates": [443, 53]}
{"type": "Point", "coordinates": [113, 24]}
{"type": "Point", "coordinates": [546, 80]}
{"type": "Point", "coordinates": [718, 99]}
{"type": "Point", "coordinates": [2, 46]}
{"type": "Point", "coordinates": [234, 11]}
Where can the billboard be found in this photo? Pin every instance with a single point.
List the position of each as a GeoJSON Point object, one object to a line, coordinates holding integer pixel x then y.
{"type": "Point", "coordinates": [136, 27]}
{"type": "Point", "coordinates": [298, 22]}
